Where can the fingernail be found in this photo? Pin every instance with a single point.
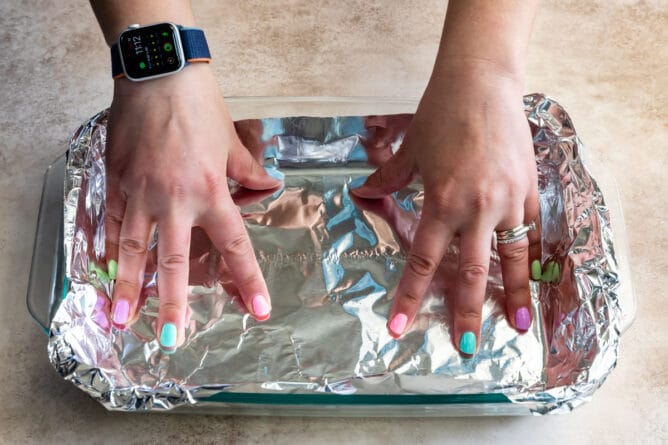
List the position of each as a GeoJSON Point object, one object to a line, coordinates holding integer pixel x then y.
{"type": "Point", "coordinates": [168, 336]}
{"type": "Point", "coordinates": [101, 320]}
{"type": "Point", "coordinates": [523, 319]}
{"type": "Point", "coordinates": [112, 268]}
{"type": "Point", "coordinates": [536, 271]}
{"type": "Point", "coordinates": [357, 182]}
{"type": "Point", "coordinates": [99, 303]}
{"type": "Point", "coordinates": [549, 270]}
{"type": "Point", "coordinates": [467, 343]}
{"type": "Point", "coordinates": [556, 273]}
{"type": "Point", "coordinates": [275, 173]}
{"type": "Point", "coordinates": [398, 324]}
{"type": "Point", "coordinates": [101, 274]}
{"type": "Point", "coordinates": [261, 307]}
{"type": "Point", "coordinates": [121, 312]}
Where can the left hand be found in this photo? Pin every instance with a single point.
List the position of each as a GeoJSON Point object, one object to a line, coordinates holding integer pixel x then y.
{"type": "Point", "coordinates": [471, 143]}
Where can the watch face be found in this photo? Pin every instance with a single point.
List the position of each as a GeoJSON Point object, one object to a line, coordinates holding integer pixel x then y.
{"type": "Point", "coordinates": [151, 51]}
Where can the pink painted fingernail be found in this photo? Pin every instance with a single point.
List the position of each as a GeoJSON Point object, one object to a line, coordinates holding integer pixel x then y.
{"type": "Point", "coordinates": [101, 320]}
{"type": "Point", "coordinates": [261, 307]}
{"type": "Point", "coordinates": [522, 319]}
{"type": "Point", "coordinates": [99, 303]}
{"type": "Point", "coordinates": [121, 312]}
{"type": "Point", "coordinates": [398, 324]}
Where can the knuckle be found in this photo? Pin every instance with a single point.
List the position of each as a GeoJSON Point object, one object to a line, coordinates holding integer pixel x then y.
{"type": "Point", "coordinates": [515, 191]}
{"type": "Point", "coordinates": [470, 314]}
{"type": "Point", "coordinates": [421, 265]}
{"type": "Point", "coordinates": [441, 203]}
{"type": "Point", "coordinates": [172, 307]}
{"type": "Point", "coordinates": [481, 201]}
{"type": "Point", "coordinates": [411, 299]}
{"type": "Point", "coordinates": [514, 253]}
{"type": "Point", "coordinates": [114, 217]}
{"type": "Point", "coordinates": [519, 293]}
{"type": "Point", "coordinates": [249, 282]}
{"type": "Point", "coordinates": [237, 246]}
{"type": "Point", "coordinates": [472, 273]}
{"type": "Point", "coordinates": [132, 246]}
{"type": "Point", "coordinates": [177, 189]}
{"type": "Point", "coordinates": [132, 285]}
{"type": "Point", "coordinates": [213, 183]}
{"type": "Point", "coordinates": [172, 263]}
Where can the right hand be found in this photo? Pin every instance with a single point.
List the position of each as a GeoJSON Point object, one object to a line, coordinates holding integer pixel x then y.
{"type": "Point", "coordinates": [171, 146]}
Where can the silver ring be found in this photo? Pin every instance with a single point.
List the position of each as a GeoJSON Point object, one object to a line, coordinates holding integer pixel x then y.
{"type": "Point", "coordinates": [515, 234]}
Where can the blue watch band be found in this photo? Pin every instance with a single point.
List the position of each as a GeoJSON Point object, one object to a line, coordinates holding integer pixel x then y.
{"type": "Point", "coordinates": [193, 41]}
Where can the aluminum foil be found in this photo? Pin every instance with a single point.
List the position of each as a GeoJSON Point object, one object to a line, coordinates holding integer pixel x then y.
{"type": "Point", "coordinates": [332, 265]}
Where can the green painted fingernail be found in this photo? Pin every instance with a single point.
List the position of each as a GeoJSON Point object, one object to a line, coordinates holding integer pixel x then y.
{"type": "Point", "coordinates": [168, 335]}
{"type": "Point", "coordinates": [536, 270]}
{"type": "Point", "coordinates": [101, 275]}
{"type": "Point", "coordinates": [556, 273]}
{"type": "Point", "coordinates": [467, 343]}
{"type": "Point", "coordinates": [549, 270]}
{"type": "Point", "coordinates": [112, 267]}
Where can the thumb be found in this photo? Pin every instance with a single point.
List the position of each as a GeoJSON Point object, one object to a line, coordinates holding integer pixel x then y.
{"type": "Point", "coordinates": [395, 174]}
{"type": "Point", "coordinates": [247, 171]}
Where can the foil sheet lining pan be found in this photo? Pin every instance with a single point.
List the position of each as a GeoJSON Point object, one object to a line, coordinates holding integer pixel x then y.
{"type": "Point", "coordinates": [332, 266]}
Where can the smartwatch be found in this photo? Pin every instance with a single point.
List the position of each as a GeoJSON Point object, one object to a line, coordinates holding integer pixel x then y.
{"type": "Point", "coordinates": [148, 52]}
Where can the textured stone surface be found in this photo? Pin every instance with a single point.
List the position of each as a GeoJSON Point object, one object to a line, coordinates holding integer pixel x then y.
{"type": "Point", "coordinates": [606, 61]}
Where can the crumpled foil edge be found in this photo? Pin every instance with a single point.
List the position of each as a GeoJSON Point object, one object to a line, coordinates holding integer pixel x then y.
{"type": "Point", "coordinates": [557, 148]}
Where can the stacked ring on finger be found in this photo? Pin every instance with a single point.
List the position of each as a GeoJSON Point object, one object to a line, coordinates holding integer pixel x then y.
{"type": "Point", "coordinates": [515, 234]}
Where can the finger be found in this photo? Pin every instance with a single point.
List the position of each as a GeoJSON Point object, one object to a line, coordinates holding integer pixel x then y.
{"type": "Point", "coordinates": [243, 196]}
{"type": "Point", "coordinates": [532, 214]}
{"type": "Point", "coordinates": [245, 169]}
{"type": "Point", "coordinates": [514, 258]}
{"type": "Point", "coordinates": [250, 132]}
{"type": "Point", "coordinates": [393, 175]}
{"type": "Point", "coordinates": [136, 231]}
{"type": "Point", "coordinates": [431, 240]}
{"type": "Point", "coordinates": [113, 219]}
{"type": "Point", "coordinates": [173, 249]}
{"type": "Point", "coordinates": [470, 287]}
{"type": "Point", "coordinates": [227, 232]}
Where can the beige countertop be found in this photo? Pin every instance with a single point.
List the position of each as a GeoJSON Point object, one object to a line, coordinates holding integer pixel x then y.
{"type": "Point", "coordinates": [605, 61]}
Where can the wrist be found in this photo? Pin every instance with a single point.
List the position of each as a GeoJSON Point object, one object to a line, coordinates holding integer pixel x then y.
{"type": "Point", "coordinates": [487, 37]}
{"type": "Point", "coordinates": [470, 72]}
{"type": "Point", "coordinates": [193, 77]}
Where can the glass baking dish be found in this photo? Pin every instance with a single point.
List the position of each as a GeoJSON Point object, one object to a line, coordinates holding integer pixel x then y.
{"type": "Point", "coordinates": [47, 282]}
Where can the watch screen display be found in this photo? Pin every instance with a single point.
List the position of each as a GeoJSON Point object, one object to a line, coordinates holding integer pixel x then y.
{"type": "Point", "coordinates": [150, 51]}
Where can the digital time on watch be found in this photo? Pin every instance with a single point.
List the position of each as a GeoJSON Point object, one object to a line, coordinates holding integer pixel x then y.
{"type": "Point", "coordinates": [148, 52]}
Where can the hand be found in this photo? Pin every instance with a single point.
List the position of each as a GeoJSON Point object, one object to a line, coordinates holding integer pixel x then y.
{"type": "Point", "coordinates": [470, 142]}
{"type": "Point", "coordinates": [171, 146]}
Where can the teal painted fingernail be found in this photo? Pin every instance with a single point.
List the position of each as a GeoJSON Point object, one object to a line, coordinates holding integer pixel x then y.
{"type": "Point", "coordinates": [275, 173]}
{"type": "Point", "coordinates": [467, 343]}
{"type": "Point", "coordinates": [357, 182]}
{"type": "Point", "coordinates": [536, 270]}
{"type": "Point", "coordinates": [168, 336]}
{"type": "Point", "coordinates": [112, 267]}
